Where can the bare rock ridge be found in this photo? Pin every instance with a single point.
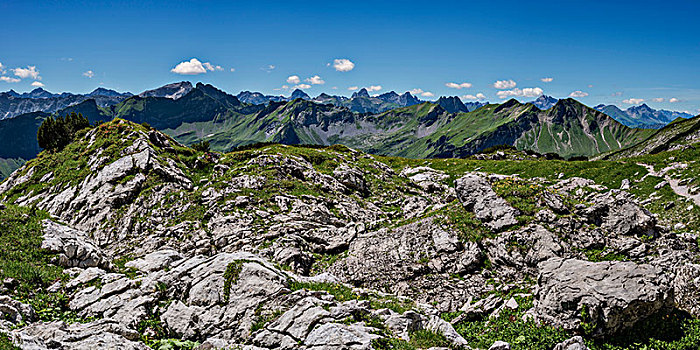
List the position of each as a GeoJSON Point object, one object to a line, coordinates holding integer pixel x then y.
{"type": "Point", "coordinates": [280, 247]}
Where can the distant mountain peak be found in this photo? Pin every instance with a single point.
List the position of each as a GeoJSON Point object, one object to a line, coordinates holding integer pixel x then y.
{"type": "Point", "coordinates": [38, 93]}
{"type": "Point", "coordinates": [362, 93]}
{"type": "Point", "coordinates": [298, 93]}
{"type": "Point", "coordinates": [544, 102]}
{"type": "Point", "coordinates": [100, 91]}
{"type": "Point", "coordinates": [452, 104]}
{"type": "Point", "coordinates": [172, 91]}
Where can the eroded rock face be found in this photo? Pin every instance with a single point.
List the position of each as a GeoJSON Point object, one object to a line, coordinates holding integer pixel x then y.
{"type": "Point", "coordinates": [217, 300]}
{"type": "Point", "coordinates": [618, 213]}
{"type": "Point", "coordinates": [607, 296]}
{"type": "Point", "coordinates": [73, 247]}
{"type": "Point", "coordinates": [100, 334]}
{"type": "Point", "coordinates": [398, 260]}
{"type": "Point", "coordinates": [476, 195]}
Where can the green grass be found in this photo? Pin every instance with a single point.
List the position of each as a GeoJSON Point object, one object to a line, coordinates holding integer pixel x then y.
{"type": "Point", "coordinates": [343, 293]}
{"type": "Point", "coordinates": [22, 259]}
{"type": "Point", "coordinates": [6, 344]}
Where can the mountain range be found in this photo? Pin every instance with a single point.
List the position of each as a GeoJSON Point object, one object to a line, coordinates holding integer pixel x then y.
{"type": "Point", "coordinates": [13, 104]}
{"type": "Point", "coordinates": [445, 128]}
{"type": "Point", "coordinates": [642, 116]}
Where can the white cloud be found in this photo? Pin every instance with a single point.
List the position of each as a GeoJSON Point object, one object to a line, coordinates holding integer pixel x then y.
{"type": "Point", "coordinates": [2, 70]}
{"type": "Point", "coordinates": [212, 67]}
{"type": "Point", "coordinates": [269, 68]}
{"type": "Point", "coordinates": [293, 79]}
{"type": "Point", "coordinates": [10, 79]}
{"type": "Point", "coordinates": [616, 94]}
{"type": "Point", "coordinates": [422, 93]}
{"type": "Point", "coordinates": [525, 92]}
{"type": "Point", "coordinates": [673, 100]}
{"type": "Point", "coordinates": [547, 80]}
{"type": "Point", "coordinates": [478, 96]}
{"type": "Point", "coordinates": [38, 84]}
{"type": "Point", "coordinates": [353, 88]}
{"type": "Point", "coordinates": [29, 72]}
{"type": "Point", "coordinates": [191, 67]}
{"type": "Point", "coordinates": [89, 74]}
{"type": "Point", "coordinates": [343, 65]}
{"type": "Point", "coordinates": [458, 85]}
{"type": "Point", "coordinates": [578, 94]}
{"type": "Point", "coordinates": [633, 101]}
{"type": "Point", "coordinates": [233, 69]}
{"type": "Point", "coordinates": [590, 86]}
{"type": "Point", "coordinates": [658, 99]}
{"type": "Point", "coordinates": [504, 84]}
{"type": "Point", "coordinates": [194, 67]}
{"type": "Point", "coordinates": [315, 80]}
{"type": "Point", "coordinates": [302, 86]}
{"type": "Point", "coordinates": [374, 88]}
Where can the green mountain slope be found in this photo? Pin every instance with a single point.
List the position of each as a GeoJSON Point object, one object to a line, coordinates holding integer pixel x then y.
{"type": "Point", "coordinates": [568, 129]}
{"type": "Point", "coordinates": [679, 134]}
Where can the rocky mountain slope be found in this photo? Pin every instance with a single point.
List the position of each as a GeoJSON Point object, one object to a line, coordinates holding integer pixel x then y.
{"type": "Point", "coordinates": [138, 241]}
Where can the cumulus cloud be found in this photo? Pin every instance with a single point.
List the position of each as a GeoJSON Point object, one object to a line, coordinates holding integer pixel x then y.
{"type": "Point", "coordinates": [547, 80]}
{"type": "Point", "coordinates": [38, 84]}
{"type": "Point", "coordinates": [353, 88]}
{"type": "Point", "coordinates": [658, 99]}
{"type": "Point", "coordinates": [233, 69]}
{"type": "Point", "coordinates": [191, 67]}
{"type": "Point", "coordinates": [89, 74]}
{"type": "Point", "coordinates": [9, 79]}
{"type": "Point", "coordinates": [422, 93]}
{"type": "Point", "coordinates": [374, 88]}
{"type": "Point", "coordinates": [504, 84]}
{"type": "Point", "coordinates": [633, 101]}
{"type": "Point", "coordinates": [343, 65]}
{"type": "Point", "coordinates": [2, 68]}
{"type": "Point", "coordinates": [673, 100]}
{"type": "Point", "coordinates": [458, 85]}
{"type": "Point", "coordinates": [29, 72]}
{"type": "Point", "coordinates": [194, 67]}
{"type": "Point", "coordinates": [315, 80]}
{"type": "Point", "coordinates": [269, 68]}
{"type": "Point", "coordinates": [578, 94]}
{"type": "Point", "coordinates": [302, 86]}
{"type": "Point", "coordinates": [525, 92]}
{"type": "Point", "coordinates": [293, 79]}
{"type": "Point", "coordinates": [478, 96]}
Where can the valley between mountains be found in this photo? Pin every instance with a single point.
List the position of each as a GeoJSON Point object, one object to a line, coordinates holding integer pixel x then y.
{"type": "Point", "coordinates": [309, 225]}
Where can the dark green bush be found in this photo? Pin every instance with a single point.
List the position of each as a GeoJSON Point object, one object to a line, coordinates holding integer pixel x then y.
{"type": "Point", "coordinates": [201, 146]}
{"type": "Point", "coordinates": [56, 133]}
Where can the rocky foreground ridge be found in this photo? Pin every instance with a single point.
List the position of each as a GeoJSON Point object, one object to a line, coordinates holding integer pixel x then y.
{"type": "Point", "coordinates": [279, 247]}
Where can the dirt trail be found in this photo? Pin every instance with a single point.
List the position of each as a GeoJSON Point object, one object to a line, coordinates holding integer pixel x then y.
{"type": "Point", "coordinates": [681, 190]}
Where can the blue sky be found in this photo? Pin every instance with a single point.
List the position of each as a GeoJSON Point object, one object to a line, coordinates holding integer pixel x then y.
{"type": "Point", "coordinates": [608, 51]}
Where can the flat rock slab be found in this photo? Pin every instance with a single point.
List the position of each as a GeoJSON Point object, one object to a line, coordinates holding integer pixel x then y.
{"type": "Point", "coordinates": [605, 296]}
